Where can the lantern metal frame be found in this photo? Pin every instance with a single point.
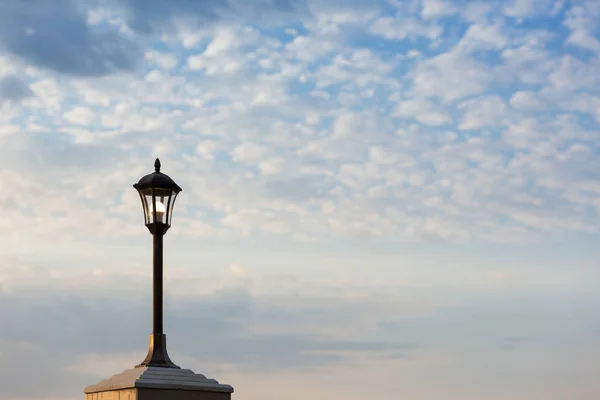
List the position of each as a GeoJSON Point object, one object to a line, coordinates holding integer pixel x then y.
{"type": "Point", "coordinates": [153, 186]}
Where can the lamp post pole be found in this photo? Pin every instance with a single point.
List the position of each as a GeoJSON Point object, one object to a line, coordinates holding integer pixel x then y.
{"type": "Point", "coordinates": [157, 352]}
{"type": "Point", "coordinates": [157, 284]}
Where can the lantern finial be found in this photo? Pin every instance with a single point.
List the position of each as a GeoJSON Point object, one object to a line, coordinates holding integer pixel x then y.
{"type": "Point", "coordinates": [157, 165]}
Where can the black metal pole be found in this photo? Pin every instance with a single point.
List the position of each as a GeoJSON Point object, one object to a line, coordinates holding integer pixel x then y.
{"type": "Point", "coordinates": [157, 352]}
{"type": "Point", "coordinates": [157, 284]}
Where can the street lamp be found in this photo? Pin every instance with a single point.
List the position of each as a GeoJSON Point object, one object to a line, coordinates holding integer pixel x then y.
{"type": "Point", "coordinates": [157, 377]}
{"type": "Point", "coordinates": [157, 192]}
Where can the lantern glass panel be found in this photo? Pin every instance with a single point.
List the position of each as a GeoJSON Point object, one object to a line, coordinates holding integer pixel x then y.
{"type": "Point", "coordinates": [164, 200]}
{"type": "Point", "coordinates": [171, 206]}
{"type": "Point", "coordinates": [149, 209]}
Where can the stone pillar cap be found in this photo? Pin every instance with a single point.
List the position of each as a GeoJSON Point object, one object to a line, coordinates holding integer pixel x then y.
{"type": "Point", "coordinates": [159, 378]}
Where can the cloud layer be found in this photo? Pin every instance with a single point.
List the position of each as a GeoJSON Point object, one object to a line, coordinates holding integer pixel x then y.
{"type": "Point", "coordinates": [61, 327]}
{"type": "Point", "coordinates": [420, 122]}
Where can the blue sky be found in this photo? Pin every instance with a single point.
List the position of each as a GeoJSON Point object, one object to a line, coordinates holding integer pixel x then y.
{"type": "Point", "coordinates": [380, 199]}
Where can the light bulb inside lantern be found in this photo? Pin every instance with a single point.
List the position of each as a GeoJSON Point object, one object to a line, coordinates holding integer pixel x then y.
{"type": "Point", "coordinates": [160, 211]}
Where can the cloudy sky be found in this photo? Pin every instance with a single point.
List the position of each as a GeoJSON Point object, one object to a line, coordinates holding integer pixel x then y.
{"type": "Point", "coordinates": [381, 199]}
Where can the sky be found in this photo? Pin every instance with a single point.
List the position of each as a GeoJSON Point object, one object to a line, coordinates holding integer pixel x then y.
{"type": "Point", "coordinates": [381, 199]}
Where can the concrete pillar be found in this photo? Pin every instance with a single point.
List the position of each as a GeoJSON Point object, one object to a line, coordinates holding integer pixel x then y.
{"type": "Point", "coordinates": [156, 383]}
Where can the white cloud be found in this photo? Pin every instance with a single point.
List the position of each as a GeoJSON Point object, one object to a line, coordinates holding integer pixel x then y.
{"type": "Point", "coordinates": [224, 40]}
{"type": "Point", "coordinates": [80, 116]}
{"type": "Point", "coordinates": [529, 62]}
{"type": "Point", "coordinates": [450, 76]}
{"type": "Point", "coordinates": [433, 9]}
{"type": "Point", "coordinates": [225, 53]}
{"type": "Point", "coordinates": [238, 271]}
{"type": "Point", "coordinates": [190, 39]}
{"type": "Point", "coordinates": [581, 20]}
{"type": "Point", "coordinates": [309, 48]}
{"type": "Point", "coordinates": [94, 97]}
{"type": "Point", "coordinates": [248, 152]}
{"type": "Point", "coordinates": [272, 166]}
{"type": "Point", "coordinates": [482, 112]}
{"type": "Point", "coordinates": [476, 11]}
{"type": "Point", "coordinates": [528, 8]}
{"type": "Point", "coordinates": [483, 37]}
{"type": "Point", "coordinates": [424, 111]}
{"type": "Point", "coordinates": [381, 155]}
{"type": "Point", "coordinates": [527, 101]}
{"type": "Point", "coordinates": [362, 67]}
{"type": "Point", "coordinates": [9, 129]}
{"type": "Point", "coordinates": [6, 66]}
{"type": "Point", "coordinates": [207, 148]}
{"type": "Point", "coordinates": [214, 67]}
{"type": "Point", "coordinates": [154, 76]}
{"type": "Point", "coordinates": [404, 28]}
{"type": "Point", "coordinates": [166, 61]}
{"type": "Point", "coordinates": [48, 93]}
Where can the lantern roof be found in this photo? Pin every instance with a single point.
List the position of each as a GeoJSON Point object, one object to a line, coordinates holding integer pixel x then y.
{"type": "Point", "coordinates": [157, 180]}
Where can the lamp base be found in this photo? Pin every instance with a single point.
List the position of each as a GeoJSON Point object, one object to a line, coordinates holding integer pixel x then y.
{"type": "Point", "coordinates": [155, 383]}
{"type": "Point", "coordinates": [157, 353]}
